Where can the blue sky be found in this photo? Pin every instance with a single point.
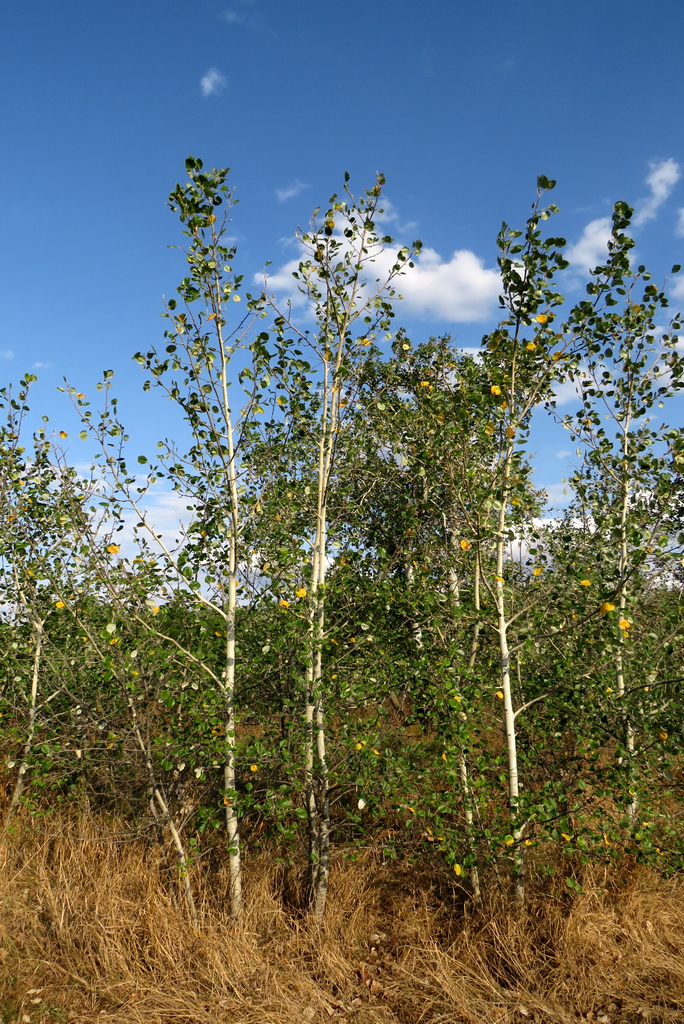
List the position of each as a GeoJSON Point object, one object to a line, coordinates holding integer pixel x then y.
{"type": "Point", "coordinates": [460, 104]}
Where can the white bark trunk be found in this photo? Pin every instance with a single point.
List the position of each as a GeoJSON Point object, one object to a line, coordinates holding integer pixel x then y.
{"type": "Point", "coordinates": [505, 678]}
{"type": "Point", "coordinates": [20, 784]}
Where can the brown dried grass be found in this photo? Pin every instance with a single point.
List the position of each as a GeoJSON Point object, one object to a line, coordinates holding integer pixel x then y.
{"type": "Point", "coordinates": [86, 918]}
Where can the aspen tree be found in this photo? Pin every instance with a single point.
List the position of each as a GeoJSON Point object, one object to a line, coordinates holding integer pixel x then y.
{"type": "Point", "coordinates": [197, 372]}
{"type": "Point", "coordinates": [523, 358]}
{"type": "Point", "coordinates": [37, 549]}
{"type": "Point", "coordinates": [352, 308]}
{"type": "Point", "coordinates": [630, 367]}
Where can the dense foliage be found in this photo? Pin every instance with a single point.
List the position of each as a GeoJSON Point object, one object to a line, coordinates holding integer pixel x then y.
{"type": "Point", "coordinates": [367, 632]}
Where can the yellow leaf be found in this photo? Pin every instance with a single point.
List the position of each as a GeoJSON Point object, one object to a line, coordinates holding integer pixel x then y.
{"type": "Point", "coordinates": [624, 624]}
{"type": "Point", "coordinates": [465, 545]}
{"type": "Point", "coordinates": [458, 869]}
{"type": "Point", "coordinates": [113, 548]}
{"type": "Point", "coordinates": [444, 757]}
{"type": "Point", "coordinates": [542, 318]}
{"type": "Point", "coordinates": [499, 694]}
{"type": "Point", "coordinates": [60, 604]}
{"type": "Point", "coordinates": [376, 751]}
{"type": "Point", "coordinates": [496, 390]}
{"type": "Point", "coordinates": [301, 592]}
{"type": "Point", "coordinates": [538, 571]}
{"type": "Point", "coordinates": [585, 583]}
{"type": "Point", "coordinates": [63, 433]}
{"type": "Point", "coordinates": [606, 607]}
{"type": "Point", "coordinates": [283, 604]}
{"type": "Point", "coordinates": [565, 836]}
{"type": "Point", "coordinates": [359, 746]}
{"type": "Point", "coordinates": [510, 433]}
{"type": "Point", "coordinates": [663, 735]}
{"type": "Point", "coordinates": [530, 346]}
{"type": "Point", "coordinates": [425, 383]}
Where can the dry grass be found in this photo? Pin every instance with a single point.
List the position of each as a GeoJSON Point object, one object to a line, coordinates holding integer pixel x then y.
{"type": "Point", "coordinates": [91, 925]}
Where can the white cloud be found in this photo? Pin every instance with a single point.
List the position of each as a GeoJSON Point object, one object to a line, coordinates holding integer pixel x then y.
{"type": "Point", "coordinates": [677, 289]}
{"type": "Point", "coordinates": [662, 179]}
{"type": "Point", "coordinates": [568, 391]}
{"type": "Point", "coordinates": [292, 190]}
{"type": "Point", "coordinates": [460, 290]}
{"type": "Point", "coordinates": [679, 230]}
{"type": "Point", "coordinates": [212, 83]}
{"type": "Point", "coordinates": [7, 354]}
{"type": "Point", "coordinates": [592, 247]}
{"type": "Point", "coordinates": [564, 453]}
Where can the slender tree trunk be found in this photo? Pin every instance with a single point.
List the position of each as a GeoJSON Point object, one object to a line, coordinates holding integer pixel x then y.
{"type": "Point", "coordinates": [22, 777]}
{"type": "Point", "coordinates": [159, 831]}
{"type": "Point", "coordinates": [463, 762]}
{"type": "Point", "coordinates": [416, 631]}
{"type": "Point", "coordinates": [323, 781]}
{"type": "Point", "coordinates": [316, 765]}
{"type": "Point", "coordinates": [476, 604]}
{"type": "Point", "coordinates": [229, 780]}
{"type": "Point", "coordinates": [505, 677]}
{"type": "Point", "coordinates": [629, 731]}
{"type": "Point", "coordinates": [473, 872]}
{"type": "Point", "coordinates": [157, 795]}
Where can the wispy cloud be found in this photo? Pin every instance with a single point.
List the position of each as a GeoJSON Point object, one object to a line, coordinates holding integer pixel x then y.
{"type": "Point", "coordinates": [558, 494]}
{"type": "Point", "coordinates": [390, 216]}
{"type": "Point", "coordinates": [592, 246]}
{"type": "Point", "coordinates": [679, 229]}
{"type": "Point", "coordinates": [663, 177]}
{"type": "Point", "coordinates": [245, 14]}
{"type": "Point", "coordinates": [7, 354]}
{"type": "Point", "coordinates": [213, 82]}
{"type": "Point", "coordinates": [677, 289]}
{"type": "Point", "coordinates": [291, 191]}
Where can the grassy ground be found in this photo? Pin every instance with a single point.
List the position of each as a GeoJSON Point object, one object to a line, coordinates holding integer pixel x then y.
{"type": "Point", "coordinates": [89, 932]}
